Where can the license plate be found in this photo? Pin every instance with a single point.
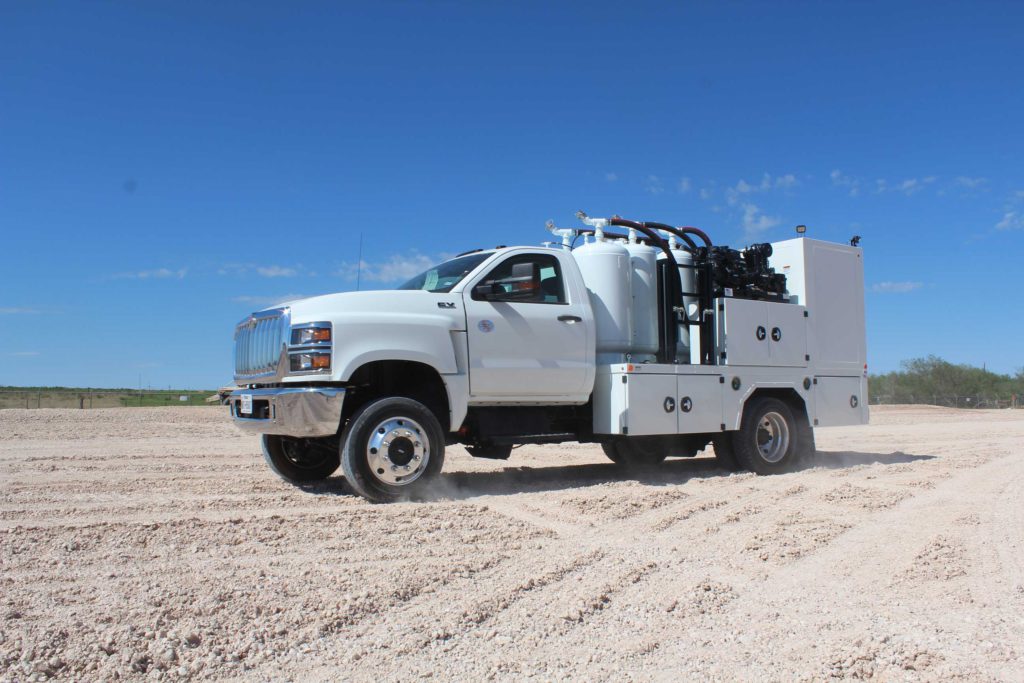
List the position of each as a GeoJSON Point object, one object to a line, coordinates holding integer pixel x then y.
{"type": "Point", "coordinates": [246, 404]}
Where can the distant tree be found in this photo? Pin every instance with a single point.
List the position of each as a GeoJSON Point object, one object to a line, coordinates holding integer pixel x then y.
{"type": "Point", "coordinates": [932, 379]}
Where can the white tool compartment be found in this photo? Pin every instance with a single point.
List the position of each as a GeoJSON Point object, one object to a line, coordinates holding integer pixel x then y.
{"type": "Point", "coordinates": [641, 400]}
{"type": "Point", "coordinates": [760, 333]}
{"type": "Point", "coordinates": [828, 279]}
{"type": "Point", "coordinates": [839, 401]}
{"type": "Point", "coordinates": [637, 404]}
{"type": "Point", "coordinates": [699, 403]}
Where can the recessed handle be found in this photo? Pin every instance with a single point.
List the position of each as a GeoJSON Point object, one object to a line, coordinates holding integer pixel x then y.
{"type": "Point", "coordinates": [570, 318]}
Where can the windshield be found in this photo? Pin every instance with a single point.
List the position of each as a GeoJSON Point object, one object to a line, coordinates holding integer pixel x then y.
{"type": "Point", "coordinates": [443, 277]}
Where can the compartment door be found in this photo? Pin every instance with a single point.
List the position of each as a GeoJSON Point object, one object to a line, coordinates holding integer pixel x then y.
{"type": "Point", "coordinates": [699, 399]}
{"type": "Point", "coordinates": [651, 404]}
{"type": "Point", "coordinates": [787, 335]}
{"type": "Point", "coordinates": [840, 401]}
{"type": "Point", "coordinates": [742, 334]}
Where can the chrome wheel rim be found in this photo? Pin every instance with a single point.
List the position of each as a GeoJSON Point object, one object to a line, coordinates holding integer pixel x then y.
{"type": "Point", "coordinates": [397, 451]}
{"type": "Point", "coordinates": [772, 437]}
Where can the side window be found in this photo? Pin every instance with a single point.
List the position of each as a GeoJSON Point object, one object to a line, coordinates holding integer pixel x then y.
{"type": "Point", "coordinates": [527, 278]}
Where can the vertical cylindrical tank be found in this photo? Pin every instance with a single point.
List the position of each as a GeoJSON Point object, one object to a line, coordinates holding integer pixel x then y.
{"type": "Point", "coordinates": [689, 337]}
{"type": "Point", "coordinates": [607, 274]}
{"type": "Point", "coordinates": [644, 265]}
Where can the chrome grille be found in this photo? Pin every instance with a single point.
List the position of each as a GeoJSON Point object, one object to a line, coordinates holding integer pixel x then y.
{"type": "Point", "coordinates": [258, 343]}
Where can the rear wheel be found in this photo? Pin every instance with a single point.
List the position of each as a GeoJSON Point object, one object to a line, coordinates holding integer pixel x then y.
{"type": "Point", "coordinates": [725, 456]}
{"type": "Point", "coordinates": [300, 461]}
{"type": "Point", "coordinates": [391, 449]}
{"type": "Point", "coordinates": [643, 451]}
{"type": "Point", "coordinates": [769, 440]}
{"type": "Point", "coordinates": [611, 450]}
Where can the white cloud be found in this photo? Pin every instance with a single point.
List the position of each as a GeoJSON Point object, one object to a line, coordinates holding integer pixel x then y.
{"type": "Point", "coordinates": [684, 185]}
{"type": "Point", "coordinates": [786, 182]}
{"type": "Point", "coordinates": [266, 301]}
{"type": "Point", "coordinates": [397, 268]}
{"type": "Point", "coordinates": [25, 353]}
{"type": "Point", "coordinates": [272, 270]}
{"type": "Point", "coordinates": [155, 274]}
{"type": "Point", "coordinates": [705, 193]}
{"type": "Point", "coordinates": [276, 271]}
{"type": "Point", "coordinates": [970, 183]}
{"type": "Point", "coordinates": [17, 310]}
{"type": "Point", "coordinates": [735, 193]}
{"type": "Point", "coordinates": [840, 179]}
{"type": "Point", "coordinates": [755, 222]}
{"type": "Point", "coordinates": [909, 187]}
{"type": "Point", "coordinates": [896, 287]}
{"type": "Point", "coordinates": [654, 185]}
{"type": "Point", "coordinates": [611, 177]}
{"type": "Point", "coordinates": [1011, 221]}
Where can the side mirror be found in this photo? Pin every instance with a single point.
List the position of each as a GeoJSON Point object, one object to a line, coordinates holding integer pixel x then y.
{"type": "Point", "coordinates": [487, 292]}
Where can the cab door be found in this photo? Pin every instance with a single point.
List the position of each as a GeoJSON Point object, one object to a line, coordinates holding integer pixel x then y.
{"type": "Point", "coordinates": [527, 331]}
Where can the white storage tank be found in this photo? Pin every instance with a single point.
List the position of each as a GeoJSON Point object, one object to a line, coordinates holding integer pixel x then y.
{"type": "Point", "coordinates": [607, 273]}
{"type": "Point", "coordinates": [688, 343]}
{"type": "Point", "coordinates": [644, 265]}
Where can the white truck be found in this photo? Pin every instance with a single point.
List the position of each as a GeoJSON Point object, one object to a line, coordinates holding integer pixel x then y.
{"type": "Point", "coordinates": [645, 338]}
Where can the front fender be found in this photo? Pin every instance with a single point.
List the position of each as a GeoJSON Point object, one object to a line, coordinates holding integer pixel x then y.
{"type": "Point", "coordinates": [427, 340]}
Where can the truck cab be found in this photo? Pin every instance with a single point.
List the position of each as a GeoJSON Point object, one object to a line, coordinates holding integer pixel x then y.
{"type": "Point", "coordinates": [631, 341]}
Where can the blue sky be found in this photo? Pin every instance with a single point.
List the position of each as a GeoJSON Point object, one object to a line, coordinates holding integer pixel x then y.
{"type": "Point", "coordinates": [167, 167]}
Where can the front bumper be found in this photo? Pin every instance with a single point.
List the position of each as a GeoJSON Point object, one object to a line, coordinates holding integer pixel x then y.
{"type": "Point", "coordinates": [298, 411]}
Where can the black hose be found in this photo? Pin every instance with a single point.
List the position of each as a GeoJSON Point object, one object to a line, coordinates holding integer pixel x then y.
{"type": "Point", "coordinates": [699, 233]}
{"type": "Point", "coordinates": [691, 246]}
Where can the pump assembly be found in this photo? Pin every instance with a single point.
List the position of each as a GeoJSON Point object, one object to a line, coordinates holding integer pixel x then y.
{"type": "Point", "coordinates": [657, 286]}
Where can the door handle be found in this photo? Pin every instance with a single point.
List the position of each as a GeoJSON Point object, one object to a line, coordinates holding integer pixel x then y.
{"type": "Point", "coordinates": [570, 318]}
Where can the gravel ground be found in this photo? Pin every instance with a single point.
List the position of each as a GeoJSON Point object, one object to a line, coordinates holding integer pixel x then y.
{"type": "Point", "coordinates": [153, 543]}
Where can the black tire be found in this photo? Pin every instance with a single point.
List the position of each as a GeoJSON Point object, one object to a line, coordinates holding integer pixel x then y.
{"type": "Point", "coordinates": [299, 461]}
{"type": "Point", "coordinates": [725, 456]}
{"type": "Point", "coordinates": [806, 447]}
{"type": "Point", "coordinates": [611, 450]}
{"type": "Point", "coordinates": [414, 455]}
{"type": "Point", "coordinates": [638, 452]}
{"type": "Point", "coordinates": [769, 440]}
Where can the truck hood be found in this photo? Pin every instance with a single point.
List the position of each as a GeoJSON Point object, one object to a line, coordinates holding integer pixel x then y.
{"type": "Point", "coordinates": [381, 306]}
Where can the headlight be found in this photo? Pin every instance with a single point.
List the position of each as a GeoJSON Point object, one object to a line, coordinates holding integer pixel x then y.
{"type": "Point", "coordinates": [320, 333]}
{"type": "Point", "coordinates": [307, 362]}
{"type": "Point", "coordinates": [310, 347]}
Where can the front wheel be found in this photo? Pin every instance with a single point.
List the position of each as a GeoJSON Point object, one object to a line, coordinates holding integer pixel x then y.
{"type": "Point", "coordinates": [391, 449]}
{"type": "Point", "coordinates": [299, 461]}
